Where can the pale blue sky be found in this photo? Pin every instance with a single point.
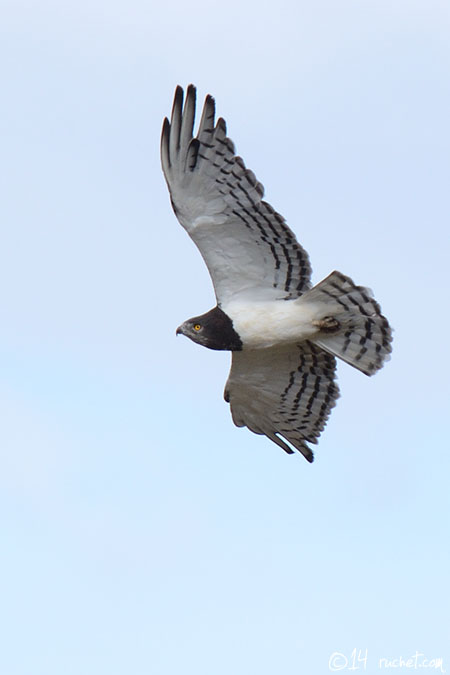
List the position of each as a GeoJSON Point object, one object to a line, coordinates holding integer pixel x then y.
{"type": "Point", "coordinates": [141, 532]}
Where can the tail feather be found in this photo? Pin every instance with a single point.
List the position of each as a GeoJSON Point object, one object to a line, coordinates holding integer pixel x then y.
{"type": "Point", "coordinates": [351, 325]}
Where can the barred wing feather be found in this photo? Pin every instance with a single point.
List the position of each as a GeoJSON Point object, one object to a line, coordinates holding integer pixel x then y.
{"type": "Point", "coordinates": [284, 393]}
{"type": "Point", "coordinates": [247, 246]}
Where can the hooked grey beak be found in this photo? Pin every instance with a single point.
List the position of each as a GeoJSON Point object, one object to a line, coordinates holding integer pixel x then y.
{"type": "Point", "coordinates": [179, 330]}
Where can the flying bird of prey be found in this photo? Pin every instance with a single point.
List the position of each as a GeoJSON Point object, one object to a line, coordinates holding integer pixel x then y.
{"type": "Point", "coordinates": [283, 334]}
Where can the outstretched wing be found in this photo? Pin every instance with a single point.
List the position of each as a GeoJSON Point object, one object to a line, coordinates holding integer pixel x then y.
{"type": "Point", "coordinates": [285, 392]}
{"type": "Point", "coordinates": [247, 246]}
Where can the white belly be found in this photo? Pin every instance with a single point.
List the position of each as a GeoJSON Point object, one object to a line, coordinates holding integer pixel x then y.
{"type": "Point", "coordinates": [265, 324]}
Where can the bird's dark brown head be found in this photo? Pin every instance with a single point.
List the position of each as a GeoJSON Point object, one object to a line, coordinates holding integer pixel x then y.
{"type": "Point", "coordinates": [213, 330]}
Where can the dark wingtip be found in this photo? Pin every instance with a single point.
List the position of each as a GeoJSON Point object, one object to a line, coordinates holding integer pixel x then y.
{"type": "Point", "coordinates": [210, 102]}
{"type": "Point", "coordinates": [165, 152]}
{"type": "Point", "coordinates": [307, 452]}
{"type": "Point", "coordinates": [222, 125]}
{"type": "Point", "coordinates": [177, 99]}
{"type": "Point", "coordinates": [165, 126]}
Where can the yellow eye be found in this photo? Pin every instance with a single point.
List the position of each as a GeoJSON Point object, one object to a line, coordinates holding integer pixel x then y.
{"type": "Point", "coordinates": [197, 326]}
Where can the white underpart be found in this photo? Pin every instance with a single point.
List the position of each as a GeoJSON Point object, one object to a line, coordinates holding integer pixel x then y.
{"type": "Point", "coordinates": [265, 324]}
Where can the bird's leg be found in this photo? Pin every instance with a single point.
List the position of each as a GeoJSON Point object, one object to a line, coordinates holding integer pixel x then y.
{"type": "Point", "coordinates": [328, 324]}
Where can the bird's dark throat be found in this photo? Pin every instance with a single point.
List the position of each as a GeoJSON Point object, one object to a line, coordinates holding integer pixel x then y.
{"type": "Point", "coordinates": [218, 331]}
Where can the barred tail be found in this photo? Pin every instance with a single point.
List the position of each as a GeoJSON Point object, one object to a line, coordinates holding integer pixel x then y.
{"type": "Point", "coordinates": [350, 323]}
